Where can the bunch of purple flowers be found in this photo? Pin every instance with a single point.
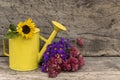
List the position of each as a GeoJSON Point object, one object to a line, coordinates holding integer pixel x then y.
{"type": "Point", "coordinates": [61, 56]}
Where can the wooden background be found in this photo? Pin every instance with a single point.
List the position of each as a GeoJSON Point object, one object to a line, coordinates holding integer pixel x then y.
{"type": "Point", "coordinates": [97, 22]}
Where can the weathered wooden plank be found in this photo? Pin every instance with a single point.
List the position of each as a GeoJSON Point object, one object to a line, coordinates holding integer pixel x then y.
{"type": "Point", "coordinates": [96, 68]}
{"type": "Point", "coordinates": [96, 21]}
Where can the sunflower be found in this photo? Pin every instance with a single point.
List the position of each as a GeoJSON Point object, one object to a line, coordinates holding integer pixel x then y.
{"type": "Point", "coordinates": [26, 28]}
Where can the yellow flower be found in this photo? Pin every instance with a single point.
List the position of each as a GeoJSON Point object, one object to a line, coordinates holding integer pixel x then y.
{"type": "Point", "coordinates": [26, 28]}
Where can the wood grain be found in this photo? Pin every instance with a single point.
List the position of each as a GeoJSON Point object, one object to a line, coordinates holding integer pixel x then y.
{"type": "Point", "coordinates": [95, 21]}
{"type": "Point", "coordinates": [96, 68]}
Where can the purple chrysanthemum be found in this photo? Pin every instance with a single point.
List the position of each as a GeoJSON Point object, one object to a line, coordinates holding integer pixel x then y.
{"type": "Point", "coordinates": [59, 56]}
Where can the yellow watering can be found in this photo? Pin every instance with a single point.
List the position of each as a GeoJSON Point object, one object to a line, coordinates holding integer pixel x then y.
{"type": "Point", "coordinates": [24, 54]}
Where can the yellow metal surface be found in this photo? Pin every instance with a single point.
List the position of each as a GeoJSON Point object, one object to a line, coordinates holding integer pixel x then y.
{"type": "Point", "coordinates": [23, 53]}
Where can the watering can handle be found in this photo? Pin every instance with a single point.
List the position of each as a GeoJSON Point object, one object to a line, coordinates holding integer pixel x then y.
{"type": "Point", "coordinates": [4, 49]}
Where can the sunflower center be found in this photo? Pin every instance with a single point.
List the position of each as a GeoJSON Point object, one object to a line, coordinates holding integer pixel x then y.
{"type": "Point", "coordinates": [25, 29]}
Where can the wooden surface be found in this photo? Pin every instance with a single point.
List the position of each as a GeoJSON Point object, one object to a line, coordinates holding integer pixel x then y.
{"type": "Point", "coordinates": [96, 68]}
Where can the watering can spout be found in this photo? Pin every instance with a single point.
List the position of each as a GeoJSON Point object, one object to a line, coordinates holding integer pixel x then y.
{"type": "Point", "coordinates": [57, 27]}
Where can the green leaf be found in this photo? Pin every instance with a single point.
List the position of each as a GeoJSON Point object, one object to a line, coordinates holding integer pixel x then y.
{"type": "Point", "coordinates": [10, 35]}
{"type": "Point", "coordinates": [13, 27]}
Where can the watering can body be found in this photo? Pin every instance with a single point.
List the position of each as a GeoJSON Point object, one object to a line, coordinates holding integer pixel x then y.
{"type": "Point", "coordinates": [23, 53]}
